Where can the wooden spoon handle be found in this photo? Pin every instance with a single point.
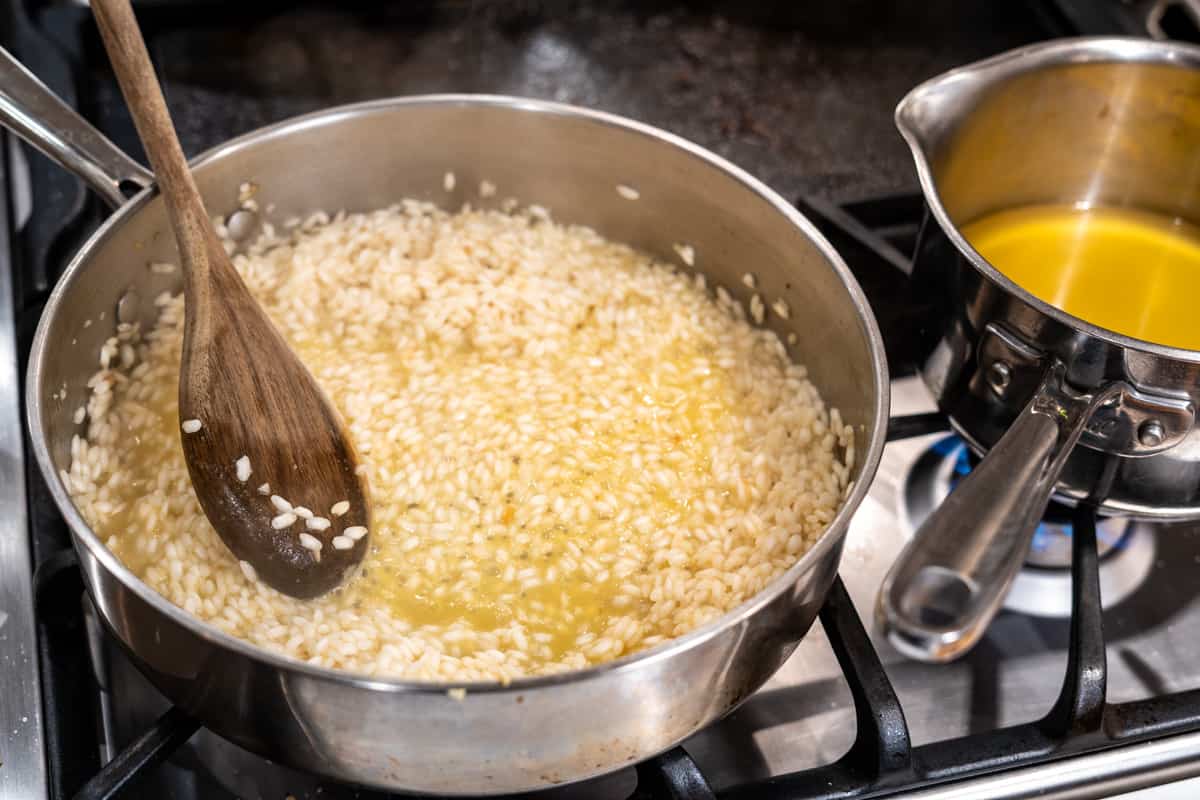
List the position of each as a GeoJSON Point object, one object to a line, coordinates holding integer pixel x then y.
{"type": "Point", "coordinates": [135, 74]}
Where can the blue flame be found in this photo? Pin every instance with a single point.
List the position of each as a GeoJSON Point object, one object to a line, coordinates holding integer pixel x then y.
{"type": "Point", "coordinates": [1043, 537]}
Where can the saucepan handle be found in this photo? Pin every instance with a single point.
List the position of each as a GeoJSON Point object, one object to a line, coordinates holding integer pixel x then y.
{"type": "Point", "coordinates": [37, 115]}
{"type": "Point", "coordinates": [951, 578]}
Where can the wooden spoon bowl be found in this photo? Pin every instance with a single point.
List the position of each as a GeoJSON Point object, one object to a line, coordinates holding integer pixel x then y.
{"type": "Point", "coordinates": [251, 413]}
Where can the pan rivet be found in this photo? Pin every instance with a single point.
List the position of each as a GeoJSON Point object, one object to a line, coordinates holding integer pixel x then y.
{"type": "Point", "coordinates": [1151, 433]}
{"type": "Point", "coordinates": [127, 307]}
{"type": "Point", "coordinates": [241, 224]}
{"type": "Point", "coordinates": [998, 376]}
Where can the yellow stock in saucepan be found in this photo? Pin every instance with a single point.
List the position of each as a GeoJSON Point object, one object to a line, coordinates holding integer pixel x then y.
{"type": "Point", "coordinates": [1129, 271]}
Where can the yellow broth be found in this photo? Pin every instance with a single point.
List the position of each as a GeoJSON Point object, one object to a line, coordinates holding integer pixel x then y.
{"type": "Point", "coordinates": [1129, 271]}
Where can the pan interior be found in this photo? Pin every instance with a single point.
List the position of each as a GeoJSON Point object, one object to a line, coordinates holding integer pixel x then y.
{"type": "Point", "coordinates": [569, 162]}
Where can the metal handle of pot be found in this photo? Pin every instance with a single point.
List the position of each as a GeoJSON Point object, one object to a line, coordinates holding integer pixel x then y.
{"type": "Point", "coordinates": [37, 115]}
{"type": "Point", "coordinates": [952, 577]}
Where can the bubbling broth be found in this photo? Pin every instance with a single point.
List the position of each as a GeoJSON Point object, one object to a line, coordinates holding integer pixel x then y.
{"type": "Point", "coordinates": [1129, 271]}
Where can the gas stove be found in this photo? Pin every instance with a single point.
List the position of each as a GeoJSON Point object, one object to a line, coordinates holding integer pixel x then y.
{"type": "Point", "coordinates": [1086, 686]}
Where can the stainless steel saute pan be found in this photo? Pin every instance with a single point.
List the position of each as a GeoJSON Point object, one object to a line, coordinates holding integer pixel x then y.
{"type": "Point", "coordinates": [405, 735]}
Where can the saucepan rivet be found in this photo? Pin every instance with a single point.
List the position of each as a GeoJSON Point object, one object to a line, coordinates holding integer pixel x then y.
{"type": "Point", "coordinates": [998, 376]}
{"type": "Point", "coordinates": [1151, 433]}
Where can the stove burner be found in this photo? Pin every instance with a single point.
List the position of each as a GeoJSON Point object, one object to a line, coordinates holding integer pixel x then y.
{"type": "Point", "coordinates": [1043, 587]}
{"type": "Point", "coordinates": [1051, 546]}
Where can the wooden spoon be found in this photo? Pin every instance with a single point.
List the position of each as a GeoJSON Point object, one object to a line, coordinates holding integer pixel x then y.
{"type": "Point", "coordinates": [252, 396]}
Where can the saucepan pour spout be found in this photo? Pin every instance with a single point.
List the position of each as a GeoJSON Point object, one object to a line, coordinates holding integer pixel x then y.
{"type": "Point", "coordinates": [928, 112]}
{"type": "Point", "coordinates": [932, 116]}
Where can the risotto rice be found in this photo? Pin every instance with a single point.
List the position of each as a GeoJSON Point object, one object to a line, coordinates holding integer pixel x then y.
{"type": "Point", "coordinates": [573, 452]}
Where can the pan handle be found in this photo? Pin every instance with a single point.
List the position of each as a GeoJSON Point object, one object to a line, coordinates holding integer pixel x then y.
{"type": "Point", "coordinates": [37, 115]}
{"type": "Point", "coordinates": [952, 577]}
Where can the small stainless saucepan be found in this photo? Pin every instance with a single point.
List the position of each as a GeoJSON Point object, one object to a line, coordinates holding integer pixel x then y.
{"type": "Point", "coordinates": [1081, 121]}
{"type": "Point", "coordinates": [409, 735]}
